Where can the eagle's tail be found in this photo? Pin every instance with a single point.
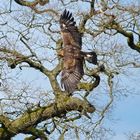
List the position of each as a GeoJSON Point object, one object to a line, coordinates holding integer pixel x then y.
{"type": "Point", "coordinates": [91, 57]}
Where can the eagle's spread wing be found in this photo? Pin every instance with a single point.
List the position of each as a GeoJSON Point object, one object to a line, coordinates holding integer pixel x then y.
{"type": "Point", "coordinates": [69, 30]}
{"type": "Point", "coordinates": [72, 60]}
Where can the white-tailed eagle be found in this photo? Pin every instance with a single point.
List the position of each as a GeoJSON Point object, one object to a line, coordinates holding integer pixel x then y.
{"type": "Point", "coordinates": [73, 57]}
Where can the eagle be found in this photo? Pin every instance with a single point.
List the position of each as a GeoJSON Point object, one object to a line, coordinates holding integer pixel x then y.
{"type": "Point", "coordinates": [73, 57]}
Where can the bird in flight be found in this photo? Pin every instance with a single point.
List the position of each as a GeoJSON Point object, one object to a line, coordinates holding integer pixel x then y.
{"type": "Point", "coordinates": [73, 57]}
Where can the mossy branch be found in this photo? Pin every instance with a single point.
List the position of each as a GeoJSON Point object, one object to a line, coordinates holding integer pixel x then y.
{"type": "Point", "coordinates": [34, 6]}
{"type": "Point", "coordinates": [63, 105]}
{"type": "Point", "coordinates": [31, 4]}
{"type": "Point", "coordinates": [17, 58]}
{"type": "Point", "coordinates": [130, 37]}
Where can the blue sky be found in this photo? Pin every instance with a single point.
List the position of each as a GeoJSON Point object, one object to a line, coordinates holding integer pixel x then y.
{"type": "Point", "coordinates": [126, 112]}
{"type": "Point", "coordinates": [125, 116]}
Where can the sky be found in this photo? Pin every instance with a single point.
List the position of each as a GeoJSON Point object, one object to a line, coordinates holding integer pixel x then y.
{"type": "Point", "coordinates": [126, 113]}
{"type": "Point", "coordinates": [125, 116]}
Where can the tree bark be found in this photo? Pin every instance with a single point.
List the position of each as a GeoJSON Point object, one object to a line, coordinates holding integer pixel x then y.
{"type": "Point", "coordinates": [60, 107]}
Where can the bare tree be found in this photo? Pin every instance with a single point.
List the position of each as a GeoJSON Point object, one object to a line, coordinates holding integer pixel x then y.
{"type": "Point", "coordinates": [134, 136]}
{"type": "Point", "coordinates": [32, 100]}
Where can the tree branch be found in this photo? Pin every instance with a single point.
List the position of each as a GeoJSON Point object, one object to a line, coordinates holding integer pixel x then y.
{"type": "Point", "coordinates": [31, 4]}
{"type": "Point", "coordinates": [63, 105]}
{"type": "Point", "coordinates": [36, 133]}
{"type": "Point", "coordinates": [129, 35]}
{"type": "Point", "coordinates": [19, 58]}
{"type": "Point", "coordinates": [34, 4]}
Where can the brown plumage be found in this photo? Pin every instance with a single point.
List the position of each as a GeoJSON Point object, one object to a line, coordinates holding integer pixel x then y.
{"type": "Point", "coordinates": [73, 57]}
